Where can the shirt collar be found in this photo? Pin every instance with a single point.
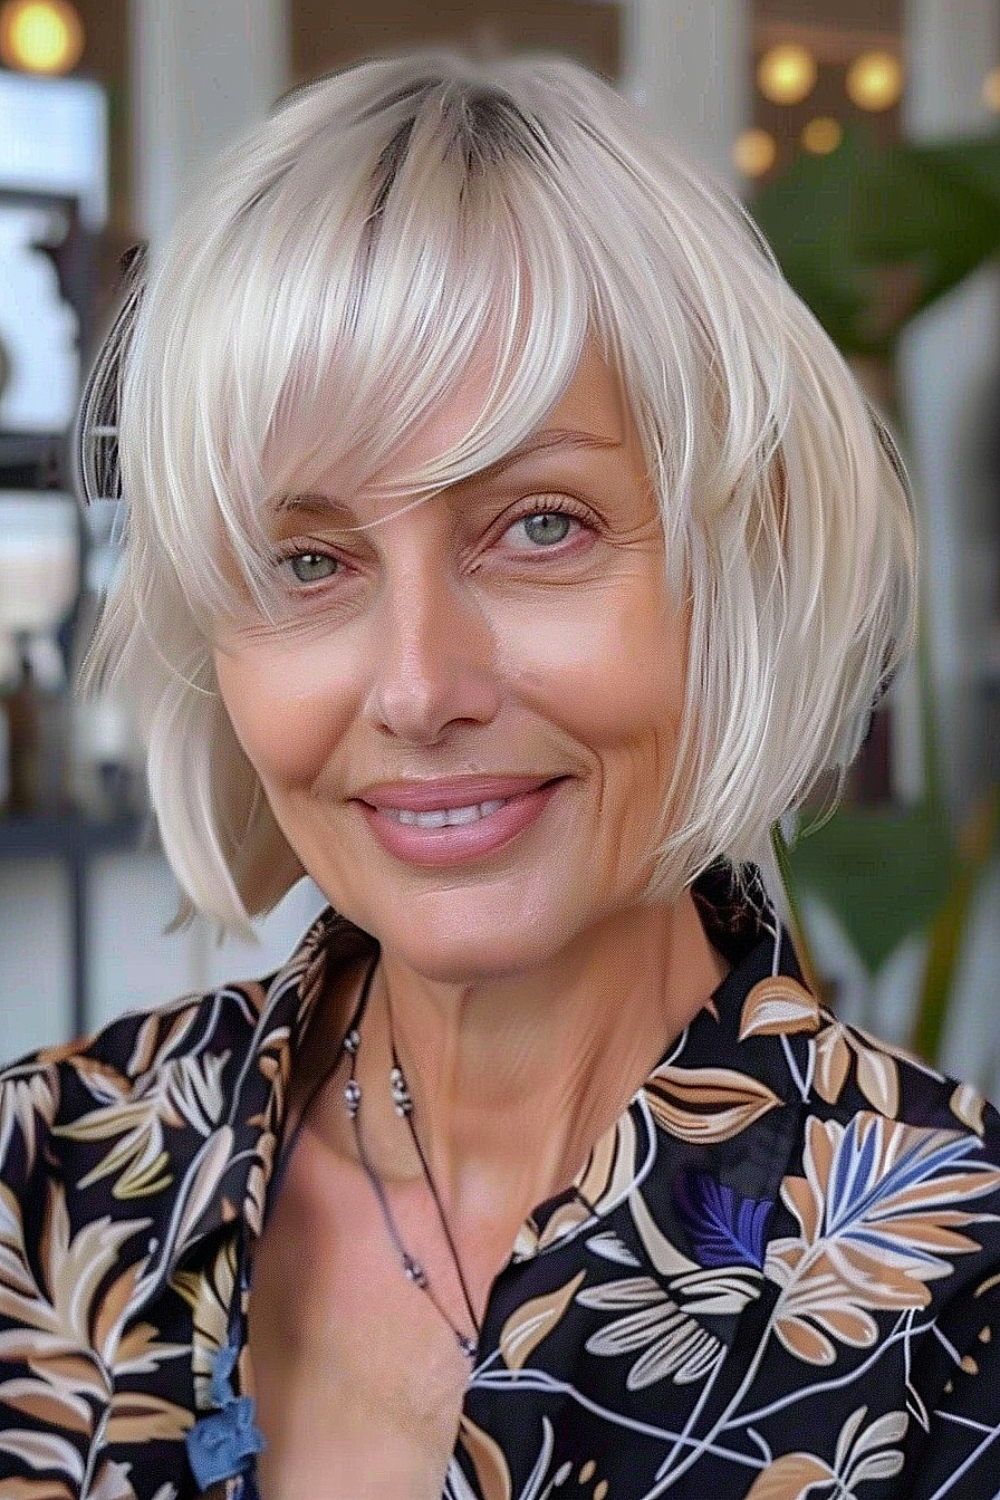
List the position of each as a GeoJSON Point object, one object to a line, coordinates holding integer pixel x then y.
{"type": "Point", "coordinates": [714, 1098]}
{"type": "Point", "coordinates": [721, 1104]}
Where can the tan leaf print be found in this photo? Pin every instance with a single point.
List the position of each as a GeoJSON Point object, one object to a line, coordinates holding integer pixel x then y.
{"type": "Point", "coordinates": [878, 1220]}
{"type": "Point", "coordinates": [101, 1080]}
{"type": "Point", "coordinates": [70, 1338]}
{"type": "Point", "coordinates": [76, 1267]}
{"type": "Point", "coordinates": [114, 1304]}
{"type": "Point", "coordinates": [664, 1254]}
{"type": "Point", "coordinates": [877, 1065]}
{"type": "Point", "coordinates": [878, 1080]}
{"type": "Point", "coordinates": [38, 1489]}
{"type": "Point", "coordinates": [533, 1321]}
{"type": "Point", "coordinates": [967, 1104]}
{"type": "Point", "coordinates": [185, 1092]}
{"type": "Point", "coordinates": [151, 1047]}
{"type": "Point", "coordinates": [204, 1178]}
{"type": "Point", "coordinates": [609, 1170]}
{"type": "Point", "coordinates": [778, 1006]}
{"type": "Point", "coordinates": [73, 1372]}
{"type": "Point", "coordinates": [487, 1460]}
{"type": "Point", "coordinates": [54, 1408]}
{"type": "Point", "coordinates": [138, 1417]}
{"type": "Point", "coordinates": [44, 1450]}
{"type": "Point", "coordinates": [260, 1176]}
{"type": "Point", "coordinates": [112, 1483]}
{"type": "Point", "coordinates": [141, 1351]}
{"type": "Point", "coordinates": [209, 1293]}
{"type": "Point", "coordinates": [703, 1105]}
{"type": "Point", "coordinates": [790, 1477]}
{"type": "Point", "coordinates": [833, 1060]}
{"type": "Point", "coordinates": [23, 1102]}
{"type": "Point", "coordinates": [567, 1217]}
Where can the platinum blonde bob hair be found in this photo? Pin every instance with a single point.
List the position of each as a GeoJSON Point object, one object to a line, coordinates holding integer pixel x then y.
{"type": "Point", "coordinates": [325, 290]}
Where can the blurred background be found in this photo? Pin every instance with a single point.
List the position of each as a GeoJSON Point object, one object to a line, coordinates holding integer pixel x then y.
{"type": "Point", "coordinates": [864, 135]}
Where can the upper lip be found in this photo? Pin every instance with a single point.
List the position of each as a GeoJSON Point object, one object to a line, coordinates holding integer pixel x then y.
{"type": "Point", "coordinates": [452, 791]}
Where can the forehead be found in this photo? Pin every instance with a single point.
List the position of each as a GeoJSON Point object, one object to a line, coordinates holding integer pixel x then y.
{"type": "Point", "coordinates": [591, 406]}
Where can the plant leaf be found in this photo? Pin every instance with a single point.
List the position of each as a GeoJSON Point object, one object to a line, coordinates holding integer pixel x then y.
{"type": "Point", "coordinates": [533, 1321]}
{"type": "Point", "coordinates": [790, 1477]}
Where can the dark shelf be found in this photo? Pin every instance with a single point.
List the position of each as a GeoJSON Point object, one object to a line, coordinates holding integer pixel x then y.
{"type": "Point", "coordinates": [69, 835]}
{"type": "Point", "coordinates": [74, 839]}
{"type": "Point", "coordinates": [33, 461]}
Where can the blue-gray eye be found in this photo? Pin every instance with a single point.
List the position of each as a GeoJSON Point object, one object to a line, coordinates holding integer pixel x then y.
{"type": "Point", "coordinates": [308, 567]}
{"type": "Point", "coordinates": [547, 527]}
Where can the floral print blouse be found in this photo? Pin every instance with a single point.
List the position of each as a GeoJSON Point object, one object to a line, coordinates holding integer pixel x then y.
{"type": "Point", "coordinates": [776, 1277]}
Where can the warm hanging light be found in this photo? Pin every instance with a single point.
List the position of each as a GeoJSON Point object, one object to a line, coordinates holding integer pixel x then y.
{"type": "Point", "coordinates": [786, 73]}
{"type": "Point", "coordinates": [822, 135]}
{"type": "Point", "coordinates": [875, 80]}
{"type": "Point", "coordinates": [991, 90]}
{"type": "Point", "coordinates": [754, 152]}
{"type": "Point", "coordinates": [40, 36]}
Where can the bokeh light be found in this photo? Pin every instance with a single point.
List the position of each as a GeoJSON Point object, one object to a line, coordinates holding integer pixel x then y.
{"type": "Point", "coordinates": [875, 80]}
{"type": "Point", "coordinates": [786, 73]}
{"type": "Point", "coordinates": [40, 36]}
{"type": "Point", "coordinates": [822, 135]}
{"type": "Point", "coordinates": [754, 152]}
{"type": "Point", "coordinates": [991, 90]}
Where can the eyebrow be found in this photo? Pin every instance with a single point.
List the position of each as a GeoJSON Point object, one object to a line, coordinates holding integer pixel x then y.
{"type": "Point", "coordinates": [539, 442]}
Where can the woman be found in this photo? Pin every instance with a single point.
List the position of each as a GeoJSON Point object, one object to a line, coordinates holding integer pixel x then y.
{"type": "Point", "coordinates": [507, 549]}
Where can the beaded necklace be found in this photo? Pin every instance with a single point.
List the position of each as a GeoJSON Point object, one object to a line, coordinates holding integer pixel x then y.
{"type": "Point", "coordinates": [403, 1105]}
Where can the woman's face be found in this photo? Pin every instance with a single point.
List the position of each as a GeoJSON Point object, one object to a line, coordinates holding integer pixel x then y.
{"type": "Point", "coordinates": [503, 654]}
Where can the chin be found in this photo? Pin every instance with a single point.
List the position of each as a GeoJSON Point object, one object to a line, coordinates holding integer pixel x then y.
{"type": "Point", "coordinates": [470, 946]}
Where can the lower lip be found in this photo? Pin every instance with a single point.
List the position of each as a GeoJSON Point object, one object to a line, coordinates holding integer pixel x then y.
{"type": "Point", "coordinates": [459, 842]}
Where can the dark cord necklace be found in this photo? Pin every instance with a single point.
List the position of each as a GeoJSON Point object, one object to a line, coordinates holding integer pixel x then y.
{"type": "Point", "coordinates": [403, 1104]}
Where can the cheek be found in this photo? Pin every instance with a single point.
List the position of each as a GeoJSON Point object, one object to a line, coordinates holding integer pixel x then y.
{"type": "Point", "coordinates": [287, 708]}
{"type": "Point", "coordinates": [611, 671]}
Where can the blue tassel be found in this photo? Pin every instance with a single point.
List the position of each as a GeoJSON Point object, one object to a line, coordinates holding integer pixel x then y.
{"type": "Point", "coordinates": [225, 1442]}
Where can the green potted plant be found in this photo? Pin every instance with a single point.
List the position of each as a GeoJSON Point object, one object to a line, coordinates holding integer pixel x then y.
{"type": "Point", "coordinates": [869, 237]}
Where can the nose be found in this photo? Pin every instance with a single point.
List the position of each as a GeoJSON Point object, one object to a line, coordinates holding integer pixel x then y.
{"type": "Point", "coordinates": [434, 657]}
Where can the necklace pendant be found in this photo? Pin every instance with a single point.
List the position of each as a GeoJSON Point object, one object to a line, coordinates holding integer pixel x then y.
{"type": "Point", "coordinates": [467, 1346]}
{"type": "Point", "coordinates": [352, 1096]}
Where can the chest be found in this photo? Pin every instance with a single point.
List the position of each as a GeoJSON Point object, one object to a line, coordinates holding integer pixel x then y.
{"type": "Point", "coordinates": [358, 1378]}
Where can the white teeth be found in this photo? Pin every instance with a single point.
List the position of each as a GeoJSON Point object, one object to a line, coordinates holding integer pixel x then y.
{"type": "Point", "coordinates": [444, 817]}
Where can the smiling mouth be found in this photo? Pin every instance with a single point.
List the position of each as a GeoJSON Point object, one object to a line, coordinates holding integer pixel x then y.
{"type": "Point", "coordinates": [445, 817]}
{"type": "Point", "coordinates": [459, 831]}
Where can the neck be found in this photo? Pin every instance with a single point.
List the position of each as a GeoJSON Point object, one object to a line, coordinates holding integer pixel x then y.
{"type": "Point", "coordinates": [514, 1079]}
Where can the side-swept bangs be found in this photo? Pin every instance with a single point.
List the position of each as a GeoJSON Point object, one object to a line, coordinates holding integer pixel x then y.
{"type": "Point", "coordinates": [341, 271]}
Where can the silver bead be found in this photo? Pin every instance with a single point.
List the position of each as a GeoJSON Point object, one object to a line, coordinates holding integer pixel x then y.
{"type": "Point", "coordinates": [467, 1346]}
{"type": "Point", "coordinates": [415, 1271]}
{"type": "Point", "coordinates": [352, 1041]}
{"type": "Point", "coordinates": [400, 1092]}
{"type": "Point", "coordinates": [352, 1095]}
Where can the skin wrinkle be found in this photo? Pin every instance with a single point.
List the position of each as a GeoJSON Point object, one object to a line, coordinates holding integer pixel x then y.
{"type": "Point", "coordinates": [318, 503]}
{"type": "Point", "coordinates": [498, 969]}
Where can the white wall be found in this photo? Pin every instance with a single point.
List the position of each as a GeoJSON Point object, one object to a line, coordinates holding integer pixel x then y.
{"type": "Point", "coordinates": [950, 360]}
{"type": "Point", "coordinates": [132, 963]}
{"type": "Point", "coordinates": [201, 71]}
{"type": "Point", "coordinates": [687, 62]}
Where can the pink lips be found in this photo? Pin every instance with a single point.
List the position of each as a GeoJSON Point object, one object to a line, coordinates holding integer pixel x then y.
{"type": "Point", "coordinates": [524, 798]}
